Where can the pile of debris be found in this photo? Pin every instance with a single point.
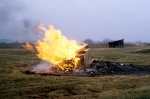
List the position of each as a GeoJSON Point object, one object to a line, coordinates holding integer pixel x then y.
{"type": "Point", "coordinates": [106, 67]}
{"type": "Point", "coordinates": [97, 67]}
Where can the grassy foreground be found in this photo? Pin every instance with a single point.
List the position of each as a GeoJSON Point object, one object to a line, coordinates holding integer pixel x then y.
{"type": "Point", "coordinates": [15, 85]}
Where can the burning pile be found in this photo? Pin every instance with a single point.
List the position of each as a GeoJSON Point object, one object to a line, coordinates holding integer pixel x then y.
{"type": "Point", "coordinates": [57, 50]}
{"type": "Point", "coordinates": [95, 68]}
{"type": "Point", "coordinates": [62, 56]}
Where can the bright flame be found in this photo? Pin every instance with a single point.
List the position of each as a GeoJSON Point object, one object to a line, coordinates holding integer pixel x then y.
{"type": "Point", "coordinates": [29, 47]}
{"type": "Point", "coordinates": [56, 49]}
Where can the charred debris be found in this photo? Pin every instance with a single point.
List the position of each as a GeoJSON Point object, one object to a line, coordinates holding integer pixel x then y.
{"type": "Point", "coordinates": [107, 67]}
{"type": "Point", "coordinates": [97, 68]}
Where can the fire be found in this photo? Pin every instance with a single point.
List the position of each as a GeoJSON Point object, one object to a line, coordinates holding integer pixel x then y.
{"type": "Point", "coordinates": [57, 49]}
{"type": "Point", "coordinates": [29, 47]}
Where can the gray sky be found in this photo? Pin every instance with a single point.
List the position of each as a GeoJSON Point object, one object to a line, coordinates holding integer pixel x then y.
{"type": "Point", "coordinates": [81, 19]}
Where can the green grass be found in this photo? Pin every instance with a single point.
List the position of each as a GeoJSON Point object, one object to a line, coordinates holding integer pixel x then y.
{"type": "Point", "coordinates": [15, 85]}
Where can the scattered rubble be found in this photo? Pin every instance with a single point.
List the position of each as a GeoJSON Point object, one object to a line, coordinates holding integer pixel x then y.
{"type": "Point", "coordinates": [106, 67]}
{"type": "Point", "coordinates": [95, 68]}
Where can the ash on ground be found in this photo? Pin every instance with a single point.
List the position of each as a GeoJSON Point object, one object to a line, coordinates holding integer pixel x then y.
{"type": "Point", "coordinates": [95, 68]}
{"type": "Point", "coordinates": [44, 68]}
{"type": "Point", "coordinates": [106, 67]}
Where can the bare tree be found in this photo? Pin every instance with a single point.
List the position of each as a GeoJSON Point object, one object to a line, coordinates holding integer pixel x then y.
{"type": "Point", "coordinates": [106, 40]}
{"type": "Point", "coordinates": [89, 41]}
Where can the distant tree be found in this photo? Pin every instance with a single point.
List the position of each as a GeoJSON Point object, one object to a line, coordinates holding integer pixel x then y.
{"type": "Point", "coordinates": [99, 42]}
{"type": "Point", "coordinates": [139, 42]}
{"type": "Point", "coordinates": [89, 41]}
{"type": "Point", "coordinates": [27, 23]}
{"type": "Point", "coordinates": [106, 40]}
{"type": "Point", "coordinates": [17, 42]}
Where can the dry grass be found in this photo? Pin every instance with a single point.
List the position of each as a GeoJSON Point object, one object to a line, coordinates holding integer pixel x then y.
{"type": "Point", "coordinates": [15, 84]}
{"type": "Point", "coordinates": [125, 55]}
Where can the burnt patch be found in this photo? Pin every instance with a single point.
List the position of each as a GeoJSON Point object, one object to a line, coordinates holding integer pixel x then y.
{"type": "Point", "coordinates": [106, 67]}
{"type": "Point", "coordinates": [97, 68]}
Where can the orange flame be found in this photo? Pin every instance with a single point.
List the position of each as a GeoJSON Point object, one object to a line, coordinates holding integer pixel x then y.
{"type": "Point", "coordinates": [56, 49]}
{"type": "Point", "coordinates": [29, 47]}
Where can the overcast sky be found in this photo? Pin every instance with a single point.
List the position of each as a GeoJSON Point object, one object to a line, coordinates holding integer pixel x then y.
{"type": "Point", "coordinates": [79, 19]}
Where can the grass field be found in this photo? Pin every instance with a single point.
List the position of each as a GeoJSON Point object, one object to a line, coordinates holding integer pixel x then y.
{"type": "Point", "coordinates": [15, 85]}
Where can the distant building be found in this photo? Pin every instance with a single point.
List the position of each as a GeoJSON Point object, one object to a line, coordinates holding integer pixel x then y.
{"type": "Point", "coordinates": [116, 44]}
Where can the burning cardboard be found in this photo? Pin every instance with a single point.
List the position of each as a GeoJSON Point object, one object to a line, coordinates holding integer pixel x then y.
{"type": "Point", "coordinates": [57, 50]}
{"type": "Point", "coordinates": [62, 56]}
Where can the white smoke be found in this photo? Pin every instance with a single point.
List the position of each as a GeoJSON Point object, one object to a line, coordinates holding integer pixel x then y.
{"type": "Point", "coordinates": [46, 68]}
{"type": "Point", "coordinates": [42, 67]}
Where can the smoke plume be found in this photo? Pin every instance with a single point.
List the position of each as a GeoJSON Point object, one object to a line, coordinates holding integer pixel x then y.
{"type": "Point", "coordinates": [15, 25]}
